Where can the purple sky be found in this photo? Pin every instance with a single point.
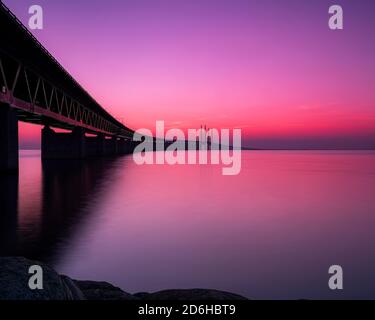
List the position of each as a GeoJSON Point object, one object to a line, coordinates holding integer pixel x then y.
{"type": "Point", "coordinates": [272, 68]}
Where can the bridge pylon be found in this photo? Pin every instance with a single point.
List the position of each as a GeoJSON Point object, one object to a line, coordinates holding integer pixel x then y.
{"type": "Point", "coordinates": [8, 139]}
{"type": "Point", "coordinates": [63, 145]}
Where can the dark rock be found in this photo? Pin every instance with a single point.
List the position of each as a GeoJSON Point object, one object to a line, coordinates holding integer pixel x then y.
{"type": "Point", "coordinates": [141, 295]}
{"type": "Point", "coordinates": [14, 282]}
{"type": "Point", "coordinates": [14, 285]}
{"type": "Point", "coordinates": [193, 294]}
{"type": "Point", "coordinates": [95, 290]}
{"type": "Point", "coordinates": [74, 289]}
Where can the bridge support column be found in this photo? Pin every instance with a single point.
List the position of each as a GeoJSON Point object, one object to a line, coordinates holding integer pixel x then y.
{"type": "Point", "coordinates": [95, 146]}
{"type": "Point", "coordinates": [110, 146]}
{"type": "Point", "coordinates": [8, 138]}
{"type": "Point", "coordinates": [63, 145]}
{"type": "Point", "coordinates": [129, 146]}
{"type": "Point", "coordinates": [122, 146]}
{"type": "Point", "coordinates": [125, 146]}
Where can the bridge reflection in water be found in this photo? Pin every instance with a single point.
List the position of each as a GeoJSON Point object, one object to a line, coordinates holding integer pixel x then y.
{"type": "Point", "coordinates": [46, 205]}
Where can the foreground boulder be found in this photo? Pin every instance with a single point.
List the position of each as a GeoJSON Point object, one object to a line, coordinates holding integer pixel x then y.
{"type": "Point", "coordinates": [95, 290]}
{"type": "Point", "coordinates": [14, 282]}
{"type": "Point", "coordinates": [191, 294]}
{"type": "Point", "coordinates": [14, 285]}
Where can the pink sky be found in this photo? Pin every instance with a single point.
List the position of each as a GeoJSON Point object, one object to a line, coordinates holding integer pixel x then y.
{"type": "Point", "coordinates": [274, 70]}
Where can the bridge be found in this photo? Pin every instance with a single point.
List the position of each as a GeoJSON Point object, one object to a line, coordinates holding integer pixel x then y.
{"type": "Point", "coordinates": [35, 88]}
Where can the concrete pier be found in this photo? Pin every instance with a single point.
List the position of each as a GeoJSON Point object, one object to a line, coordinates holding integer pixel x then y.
{"type": "Point", "coordinates": [8, 139]}
{"type": "Point", "coordinates": [110, 146]}
{"type": "Point", "coordinates": [95, 146]}
{"type": "Point", "coordinates": [125, 146]}
{"type": "Point", "coordinates": [121, 146]}
{"type": "Point", "coordinates": [63, 145]}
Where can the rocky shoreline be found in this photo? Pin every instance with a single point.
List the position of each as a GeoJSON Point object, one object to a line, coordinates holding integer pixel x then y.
{"type": "Point", "coordinates": [14, 279]}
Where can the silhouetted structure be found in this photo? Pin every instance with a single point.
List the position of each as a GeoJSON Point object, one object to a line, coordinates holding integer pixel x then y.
{"type": "Point", "coordinates": [35, 88]}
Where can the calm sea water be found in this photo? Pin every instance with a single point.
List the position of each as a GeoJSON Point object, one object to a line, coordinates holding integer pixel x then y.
{"type": "Point", "coordinates": [270, 232]}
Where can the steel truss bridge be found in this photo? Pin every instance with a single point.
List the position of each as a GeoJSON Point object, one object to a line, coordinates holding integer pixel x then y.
{"type": "Point", "coordinates": [34, 83]}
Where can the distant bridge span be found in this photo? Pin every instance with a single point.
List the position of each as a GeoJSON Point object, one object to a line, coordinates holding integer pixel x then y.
{"type": "Point", "coordinates": [35, 88]}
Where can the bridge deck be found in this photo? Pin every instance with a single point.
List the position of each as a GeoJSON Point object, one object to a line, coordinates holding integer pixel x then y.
{"type": "Point", "coordinates": [42, 91]}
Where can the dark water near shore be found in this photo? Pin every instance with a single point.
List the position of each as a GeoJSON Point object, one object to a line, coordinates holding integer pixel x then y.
{"type": "Point", "coordinates": [270, 232]}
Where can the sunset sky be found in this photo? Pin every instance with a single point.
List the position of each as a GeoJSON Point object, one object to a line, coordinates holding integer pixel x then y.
{"type": "Point", "coordinates": [272, 68]}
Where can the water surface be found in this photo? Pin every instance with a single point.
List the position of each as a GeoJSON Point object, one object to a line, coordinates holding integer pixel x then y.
{"type": "Point", "coordinates": [270, 232]}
